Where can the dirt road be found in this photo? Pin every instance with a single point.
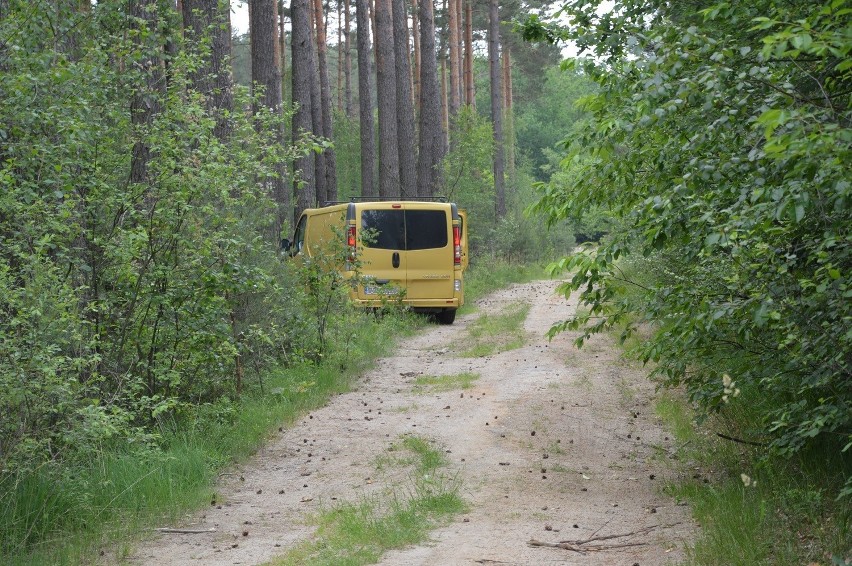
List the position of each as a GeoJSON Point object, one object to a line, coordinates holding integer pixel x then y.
{"type": "Point", "coordinates": [550, 444]}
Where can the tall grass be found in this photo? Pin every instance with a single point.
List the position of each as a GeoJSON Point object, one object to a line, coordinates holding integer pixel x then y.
{"type": "Point", "coordinates": [752, 510]}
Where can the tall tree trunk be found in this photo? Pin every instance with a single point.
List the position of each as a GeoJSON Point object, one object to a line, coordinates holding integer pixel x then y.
{"type": "Point", "coordinates": [212, 78]}
{"type": "Point", "coordinates": [386, 91]}
{"type": "Point", "coordinates": [365, 100]}
{"type": "Point", "coordinates": [508, 115]}
{"type": "Point", "coordinates": [340, 55]}
{"type": "Point", "coordinates": [404, 103]}
{"type": "Point", "coordinates": [266, 75]}
{"type": "Point", "coordinates": [455, 58]}
{"type": "Point", "coordinates": [415, 29]}
{"type": "Point", "coordinates": [282, 49]}
{"type": "Point", "coordinates": [146, 102]}
{"type": "Point", "coordinates": [301, 45]}
{"type": "Point", "coordinates": [469, 89]}
{"type": "Point", "coordinates": [429, 178]}
{"type": "Point", "coordinates": [320, 176]}
{"type": "Point", "coordinates": [347, 58]}
{"type": "Point", "coordinates": [496, 106]}
{"type": "Point", "coordinates": [329, 157]}
{"type": "Point", "coordinates": [445, 98]}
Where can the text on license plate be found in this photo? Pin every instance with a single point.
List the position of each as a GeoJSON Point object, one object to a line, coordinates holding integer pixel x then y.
{"type": "Point", "coordinates": [381, 290]}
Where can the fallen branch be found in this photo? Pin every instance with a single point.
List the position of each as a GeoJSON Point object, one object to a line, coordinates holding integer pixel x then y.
{"type": "Point", "coordinates": [739, 440]}
{"type": "Point", "coordinates": [609, 537]}
{"type": "Point", "coordinates": [185, 531]}
{"type": "Point", "coordinates": [584, 549]}
{"type": "Point", "coordinates": [582, 546]}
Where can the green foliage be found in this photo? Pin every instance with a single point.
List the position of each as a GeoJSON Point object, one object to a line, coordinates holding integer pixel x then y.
{"type": "Point", "coordinates": [720, 142]}
{"type": "Point", "coordinates": [469, 181]}
{"type": "Point", "coordinates": [124, 305]}
{"type": "Point", "coordinates": [347, 148]}
{"type": "Point", "coordinates": [552, 118]}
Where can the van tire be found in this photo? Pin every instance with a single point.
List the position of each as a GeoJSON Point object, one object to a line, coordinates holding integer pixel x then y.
{"type": "Point", "coordinates": [446, 316]}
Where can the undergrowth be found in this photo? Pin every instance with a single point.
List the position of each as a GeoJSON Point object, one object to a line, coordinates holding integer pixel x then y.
{"type": "Point", "coordinates": [120, 491]}
{"type": "Point", "coordinates": [752, 510]}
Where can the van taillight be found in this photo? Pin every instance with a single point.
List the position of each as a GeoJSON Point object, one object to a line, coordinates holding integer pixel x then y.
{"type": "Point", "coordinates": [456, 245]}
{"type": "Point", "coordinates": [350, 241]}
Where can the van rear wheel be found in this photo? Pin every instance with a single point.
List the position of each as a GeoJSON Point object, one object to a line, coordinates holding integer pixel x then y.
{"type": "Point", "coordinates": [446, 316]}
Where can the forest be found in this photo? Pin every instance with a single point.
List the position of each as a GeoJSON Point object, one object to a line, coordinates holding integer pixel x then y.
{"type": "Point", "coordinates": [151, 161]}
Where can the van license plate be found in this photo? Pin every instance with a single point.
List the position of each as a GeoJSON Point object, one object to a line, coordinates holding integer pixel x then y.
{"type": "Point", "coordinates": [381, 290]}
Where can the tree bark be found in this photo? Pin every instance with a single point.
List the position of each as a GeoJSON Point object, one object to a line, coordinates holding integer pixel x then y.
{"type": "Point", "coordinates": [386, 91]}
{"type": "Point", "coordinates": [429, 178]}
{"type": "Point", "coordinates": [320, 176]}
{"type": "Point", "coordinates": [301, 46]}
{"type": "Point", "coordinates": [347, 58]}
{"type": "Point", "coordinates": [455, 58]}
{"type": "Point", "coordinates": [469, 89]}
{"type": "Point", "coordinates": [340, 56]}
{"type": "Point", "coordinates": [404, 103]}
{"type": "Point", "coordinates": [415, 28]}
{"type": "Point", "coordinates": [508, 115]}
{"type": "Point", "coordinates": [213, 77]}
{"type": "Point", "coordinates": [365, 100]}
{"type": "Point", "coordinates": [282, 49]}
{"type": "Point", "coordinates": [329, 157]}
{"type": "Point", "coordinates": [496, 106]}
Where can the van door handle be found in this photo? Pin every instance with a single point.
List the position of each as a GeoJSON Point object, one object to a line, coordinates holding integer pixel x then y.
{"type": "Point", "coordinates": [395, 260]}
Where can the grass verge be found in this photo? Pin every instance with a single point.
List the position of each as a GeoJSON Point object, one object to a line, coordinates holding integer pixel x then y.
{"type": "Point", "coordinates": [752, 511]}
{"type": "Point", "coordinates": [353, 534]}
{"type": "Point", "coordinates": [439, 383]}
{"type": "Point", "coordinates": [491, 334]}
{"type": "Point", "coordinates": [496, 274]}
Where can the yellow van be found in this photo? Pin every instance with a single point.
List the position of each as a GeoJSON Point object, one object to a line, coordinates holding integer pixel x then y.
{"type": "Point", "coordinates": [412, 251]}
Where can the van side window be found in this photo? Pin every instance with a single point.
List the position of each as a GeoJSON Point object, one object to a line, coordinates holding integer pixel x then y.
{"type": "Point", "coordinates": [425, 229]}
{"type": "Point", "coordinates": [299, 236]}
{"type": "Point", "coordinates": [388, 226]}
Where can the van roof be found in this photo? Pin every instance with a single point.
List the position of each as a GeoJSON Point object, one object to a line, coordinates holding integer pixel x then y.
{"type": "Point", "coordinates": [387, 199]}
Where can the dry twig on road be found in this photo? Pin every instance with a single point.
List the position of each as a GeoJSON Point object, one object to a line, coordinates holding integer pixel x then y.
{"type": "Point", "coordinates": [582, 545]}
{"type": "Point", "coordinates": [185, 531]}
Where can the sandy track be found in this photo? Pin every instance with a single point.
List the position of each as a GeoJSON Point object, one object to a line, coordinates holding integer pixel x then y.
{"type": "Point", "coordinates": [551, 443]}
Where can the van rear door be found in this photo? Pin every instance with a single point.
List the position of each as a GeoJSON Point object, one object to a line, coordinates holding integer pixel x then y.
{"type": "Point", "coordinates": [429, 241]}
{"type": "Point", "coordinates": [463, 221]}
{"type": "Point", "coordinates": [381, 238]}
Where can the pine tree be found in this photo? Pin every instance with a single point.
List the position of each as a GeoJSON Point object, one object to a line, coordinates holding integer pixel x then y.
{"type": "Point", "coordinates": [404, 103]}
{"type": "Point", "coordinates": [329, 158]}
{"type": "Point", "coordinates": [365, 100]}
{"type": "Point", "coordinates": [432, 146]}
{"type": "Point", "coordinates": [302, 59]}
{"type": "Point", "coordinates": [496, 106]}
{"type": "Point", "coordinates": [386, 91]}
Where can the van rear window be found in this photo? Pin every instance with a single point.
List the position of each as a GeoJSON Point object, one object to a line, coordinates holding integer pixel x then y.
{"type": "Point", "coordinates": [405, 229]}
{"type": "Point", "coordinates": [425, 229]}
